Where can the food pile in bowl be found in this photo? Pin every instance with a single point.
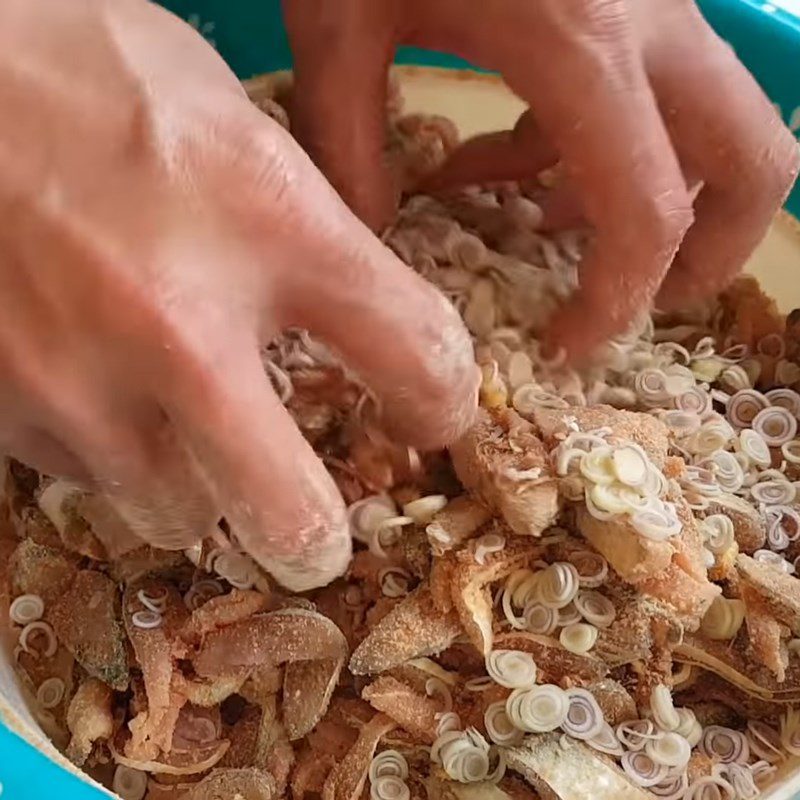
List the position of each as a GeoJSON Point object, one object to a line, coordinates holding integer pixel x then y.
{"type": "Point", "coordinates": [592, 595]}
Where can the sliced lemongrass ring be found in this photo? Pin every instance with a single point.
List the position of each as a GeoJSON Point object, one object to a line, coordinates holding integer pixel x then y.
{"type": "Point", "coordinates": [537, 710]}
{"type": "Point", "coordinates": [394, 581]}
{"type": "Point", "coordinates": [765, 741]}
{"type": "Point", "coordinates": [578, 638]}
{"type": "Point", "coordinates": [723, 619]}
{"type": "Point", "coordinates": [672, 787]}
{"type": "Point", "coordinates": [657, 523]}
{"type": "Point", "coordinates": [565, 457]}
{"type": "Point", "coordinates": [630, 465]}
{"type": "Point", "coordinates": [786, 398]}
{"type": "Point", "coordinates": [642, 770]}
{"type": "Point", "coordinates": [606, 741]}
{"type": "Point", "coordinates": [735, 378]}
{"type": "Point", "coordinates": [50, 693]}
{"type": "Point", "coordinates": [568, 615]}
{"type": "Point", "coordinates": [718, 533]}
{"type": "Point", "coordinates": [681, 423]}
{"type": "Point", "coordinates": [791, 451]}
{"type": "Point", "coordinates": [480, 684]}
{"type": "Point", "coordinates": [201, 592]}
{"type": "Point", "coordinates": [436, 687]}
{"type": "Point", "coordinates": [597, 465]}
{"type": "Point", "coordinates": [447, 721]}
{"type": "Point", "coordinates": [651, 386]}
{"type": "Point", "coordinates": [745, 406]}
{"type": "Point", "coordinates": [671, 750]}
{"type": "Point", "coordinates": [558, 585]}
{"type": "Point", "coordinates": [146, 620]}
{"type": "Point", "coordinates": [774, 492]}
{"type": "Point", "coordinates": [499, 726]}
{"type": "Point", "coordinates": [592, 568]}
{"type": "Point", "coordinates": [424, 509]}
{"type": "Point", "coordinates": [752, 444]}
{"type": "Point", "coordinates": [595, 608]}
{"type": "Point", "coordinates": [664, 713]}
{"type": "Point", "coordinates": [608, 499]}
{"type": "Point", "coordinates": [725, 745]}
{"type": "Point", "coordinates": [656, 483]}
{"type": "Point", "coordinates": [156, 604]}
{"type": "Point", "coordinates": [389, 787]}
{"type": "Point", "coordinates": [584, 718]}
{"type": "Point", "coordinates": [777, 425]}
{"type": "Point", "coordinates": [593, 509]}
{"type": "Point", "coordinates": [540, 619]}
{"type": "Point", "coordinates": [129, 784]}
{"type": "Point", "coordinates": [26, 608]}
{"type": "Point", "coordinates": [34, 629]}
{"type": "Point", "coordinates": [236, 568]}
{"type": "Point", "coordinates": [695, 400]}
{"type": "Point", "coordinates": [511, 668]}
{"type": "Point", "coordinates": [388, 762]}
{"type": "Point", "coordinates": [488, 544]}
{"type": "Point", "coordinates": [635, 733]}
{"type": "Point", "coordinates": [727, 470]}
{"type": "Point", "coordinates": [687, 723]}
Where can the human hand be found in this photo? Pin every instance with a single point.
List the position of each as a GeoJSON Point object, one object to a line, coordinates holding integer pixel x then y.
{"type": "Point", "coordinates": [156, 230]}
{"type": "Point", "coordinates": [636, 97]}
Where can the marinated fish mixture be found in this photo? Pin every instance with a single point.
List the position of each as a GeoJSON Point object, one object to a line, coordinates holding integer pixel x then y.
{"type": "Point", "coordinates": [592, 595]}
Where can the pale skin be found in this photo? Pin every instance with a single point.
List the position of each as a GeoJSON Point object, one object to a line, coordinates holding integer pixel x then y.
{"type": "Point", "coordinates": [156, 230]}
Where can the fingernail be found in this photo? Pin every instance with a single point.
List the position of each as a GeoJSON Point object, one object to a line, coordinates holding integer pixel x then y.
{"type": "Point", "coordinates": [310, 570]}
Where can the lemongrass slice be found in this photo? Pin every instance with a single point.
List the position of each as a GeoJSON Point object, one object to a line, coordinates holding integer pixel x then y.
{"type": "Point", "coordinates": [488, 544]}
{"type": "Point", "coordinates": [710, 787]}
{"type": "Point", "coordinates": [201, 592]}
{"type": "Point", "coordinates": [50, 693]}
{"type": "Point", "coordinates": [635, 733]}
{"type": "Point", "coordinates": [595, 608]}
{"type": "Point", "coordinates": [480, 684]}
{"type": "Point", "coordinates": [565, 457]}
{"type": "Point", "coordinates": [464, 758]}
{"type": "Point", "coordinates": [236, 568]}
{"type": "Point", "coordinates": [630, 464]}
{"type": "Point", "coordinates": [786, 398]}
{"type": "Point", "coordinates": [499, 726]}
{"type": "Point", "coordinates": [129, 784]}
{"type": "Point", "coordinates": [609, 499]}
{"type": "Point", "coordinates": [26, 608]}
{"type": "Point", "coordinates": [673, 787]}
{"type": "Point", "coordinates": [156, 604]}
{"type": "Point", "coordinates": [597, 465]}
{"type": "Point", "coordinates": [723, 619]}
{"type": "Point", "coordinates": [605, 741]}
{"type": "Point", "coordinates": [718, 533]}
{"type": "Point", "coordinates": [764, 741]}
{"type": "Point", "coordinates": [670, 749]}
{"type": "Point", "coordinates": [540, 619]}
{"type": "Point", "coordinates": [592, 568]}
{"type": "Point", "coordinates": [447, 721]}
{"type": "Point", "coordinates": [744, 406]}
{"type": "Point", "coordinates": [659, 522]}
{"type": "Point", "coordinates": [735, 378]}
{"type": "Point", "coordinates": [775, 560]}
{"type": "Point", "coordinates": [424, 509]}
{"type": "Point", "coordinates": [642, 770]}
{"type": "Point", "coordinates": [741, 778]}
{"type": "Point", "coordinates": [664, 713]}
{"type": "Point", "coordinates": [791, 451]}
{"type": "Point", "coordinates": [558, 585]}
{"type": "Point", "coordinates": [394, 581]}
{"type": "Point", "coordinates": [727, 470]}
{"type": "Point", "coordinates": [593, 508]}
{"type": "Point", "coordinates": [537, 710]}
{"type": "Point", "coordinates": [725, 745]}
{"type": "Point", "coordinates": [688, 727]}
{"type": "Point", "coordinates": [389, 787]}
{"type": "Point", "coordinates": [774, 492]}
{"type": "Point", "coordinates": [578, 638]}
{"type": "Point", "coordinates": [752, 444]}
{"type": "Point", "coordinates": [776, 425]}
{"type": "Point", "coordinates": [682, 424]}
{"type": "Point", "coordinates": [695, 400]}
{"type": "Point", "coordinates": [568, 615]}
{"type": "Point", "coordinates": [584, 718]}
{"type": "Point", "coordinates": [511, 668]}
{"type": "Point", "coordinates": [34, 628]}
{"type": "Point", "coordinates": [146, 620]}
{"type": "Point", "coordinates": [763, 773]}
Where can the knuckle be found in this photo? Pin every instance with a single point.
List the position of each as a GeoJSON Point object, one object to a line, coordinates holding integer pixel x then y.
{"type": "Point", "coordinates": [663, 219]}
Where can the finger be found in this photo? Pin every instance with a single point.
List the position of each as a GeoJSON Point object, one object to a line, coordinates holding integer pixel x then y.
{"type": "Point", "coordinates": [561, 209]}
{"type": "Point", "coordinates": [342, 53]}
{"type": "Point", "coordinates": [391, 326]}
{"type": "Point", "coordinates": [280, 501]}
{"type": "Point", "coordinates": [147, 475]}
{"type": "Point", "coordinates": [727, 132]}
{"type": "Point", "coordinates": [504, 155]}
{"type": "Point", "coordinates": [38, 449]}
{"type": "Point", "coordinates": [595, 104]}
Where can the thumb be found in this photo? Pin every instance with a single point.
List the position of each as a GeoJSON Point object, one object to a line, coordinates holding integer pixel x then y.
{"type": "Point", "coordinates": [342, 52]}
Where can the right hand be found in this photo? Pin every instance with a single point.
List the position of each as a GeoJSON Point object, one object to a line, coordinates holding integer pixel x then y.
{"type": "Point", "coordinates": [156, 230]}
